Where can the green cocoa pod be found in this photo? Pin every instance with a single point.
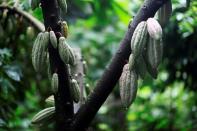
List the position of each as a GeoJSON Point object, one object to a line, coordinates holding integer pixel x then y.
{"type": "Point", "coordinates": [34, 3]}
{"type": "Point", "coordinates": [141, 67]}
{"type": "Point", "coordinates": [63, 5]}
{"type": "Point", "coordinates": [164, 13]}
{"type": "Point", "coordinates": [139, 39]}
{"type": "Point", "coordinates": [72, 59]}
{"type": "Point", "coordinates": [64, 28]}
{"type": "Point", "coordinates": [50, 100]}
{"type": "Point", "coordinates": [53, 39]}
{"type": "Point", "coordinates": [44, 116]}
{"type": "Point", "coordinates": [45, 41]}
{"type": "Point", "coordinates": [39, 53]}
{"type": "Point", "coordinates": [128, 86]}
{"type": "Point", "coordinates": [74, 90]}
{"type": "Point", "coordinates": [153, 56]}
{"type": "Point", "coordinates": [55, 82]}
{"type": "Point", "coordinates": [63, 50]}
{"type": "Point", "coordinates": [154, 29]}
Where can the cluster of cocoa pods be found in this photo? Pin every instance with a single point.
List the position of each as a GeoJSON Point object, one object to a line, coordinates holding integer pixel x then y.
{"type": "Point", "coordinates": [147, 52]}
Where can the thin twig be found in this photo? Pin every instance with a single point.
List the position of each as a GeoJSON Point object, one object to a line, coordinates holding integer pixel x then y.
{"type": "Point", "coordinates": [35, 22]}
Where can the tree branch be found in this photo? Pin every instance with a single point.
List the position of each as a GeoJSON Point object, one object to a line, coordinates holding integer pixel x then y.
{"type": "Point", "coordinates": [35, 22]}
{"type": "Point", "coordinates": [63, 101]}
{"type": "Point", "coordinates": [111, 75]}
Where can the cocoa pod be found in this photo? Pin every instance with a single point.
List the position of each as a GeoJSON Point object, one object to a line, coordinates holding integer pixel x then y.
{"type": "Point", "coordinates": [139, 39]}
{"type": "Point", "coordinates": [153, 56]}
{"type": "Point", "coordinates": [55, 82]}
{"type": "Point", "coordinates": [128, 86]}
{"type": "Point", "coordinates": [44, 116]}
{"type": "Point", "coordinates": [53, 39]}
{"type": "Point", "coordinates": [39, 53]}
{"type": "Point", "coordinates": [64, 28]}
{"type": "Point", "coordinates": [63, 50]}
{"type": "Point", "coordinates": [131, 62]}
{"type": "Point", "coordinates": [74, 90]}
{"type": "Point", "coordinates": [72, 59]}
{"type": "Point", "coordinates": [154, 29]}
{"type": "Point", "coordinates": [50, 100]}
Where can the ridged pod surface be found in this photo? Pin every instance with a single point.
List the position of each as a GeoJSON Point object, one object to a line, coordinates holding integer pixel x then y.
{"type": "Point", "coordinates": [153, 56]}
{"type": "Point", "coordinates": [45, 40]}
{"type": "Point", "coordinates": [63, 5]}
{"type": "Point", "coordinates": [154, 29]}
{"type": "Point", "coordinates": [74, 90]}
{"type": "Point", "coordinates": [131, 62]}
{"type": "Point", "coordinates": [139, 39]}
{"type": "Point", "coordinates": [164, 13]}
{"type": "Point", "coordinates": [39, 53]}
{"type": "Point", "coordinates": [43, 117]}
{"type": "Point", "coordinates": [53, 39]}
{"type": "Point", "coordinates": [55, 82]}
{"type": "Point", "coordinates": [64, 28]}
{"type": "Point", "coordinates": [63, 50]}
{"type": "Point", "coordinates": [128, 86]}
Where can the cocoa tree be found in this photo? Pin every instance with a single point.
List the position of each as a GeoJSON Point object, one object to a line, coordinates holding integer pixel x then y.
{"type": "Point", "coordinates": [65, 119]}
{"type": "Point", "coordinates": [64, 112]}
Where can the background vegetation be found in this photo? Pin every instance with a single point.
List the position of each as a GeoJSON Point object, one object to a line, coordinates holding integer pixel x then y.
{"type": "Point", "coordinates": [167, 103]}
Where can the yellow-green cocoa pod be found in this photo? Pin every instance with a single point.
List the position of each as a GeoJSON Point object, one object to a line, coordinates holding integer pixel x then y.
{"type": "Point", "coordinates": [39, 53]}
{"type": "Point", "coordinates": [63, 5]}
{"type": "Point", "coordinates": [140, 67]}
{"type": "Point", "coordinates": [64, 28]}
{"type": "Point", "coordinates": [53, 39]}
{"type": "Point", "coordinates": [154, 29]}
{"type": "Point", "coordinates": [72, 59]}
{"type": "Point", "coordinates": [128, 86]}
{"type": "Point", "coordinates": [55, 82]}
{"type": "Point", "coordinates": [74, 90]}
{"type": "Point", "coordinates": [164, 13]}
{"type": "Point", "coordinates": [34, 3]}
{"type": "Point", "coordinates": [44, 116]}
{"type": "Point", "coordinates": [50, 100]}
{"type": "Point", "coordinates": [63, 50]}
{"type": "Point", "coordinates": [139, 39]}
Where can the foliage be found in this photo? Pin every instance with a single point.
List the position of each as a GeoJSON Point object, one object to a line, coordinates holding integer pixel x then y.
{"type": "Point", "coordinates": [97, 27]}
